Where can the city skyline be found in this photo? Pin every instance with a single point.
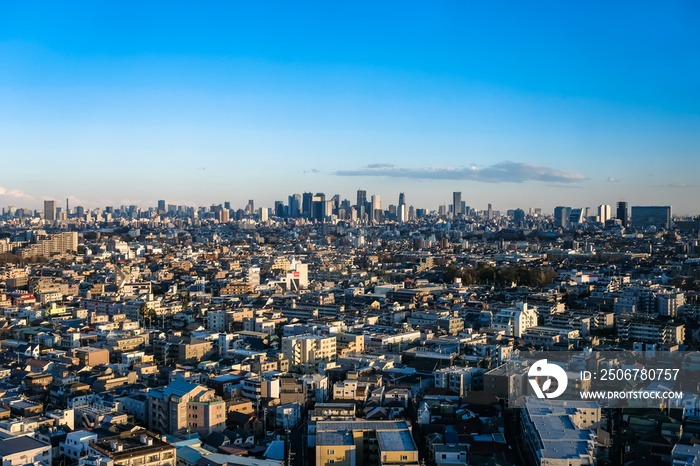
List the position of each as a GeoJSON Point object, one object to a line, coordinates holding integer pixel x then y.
{"type": "Point", "coordinates": [120, 106]}
{"type": "Point", "coordinates": [395, 201]}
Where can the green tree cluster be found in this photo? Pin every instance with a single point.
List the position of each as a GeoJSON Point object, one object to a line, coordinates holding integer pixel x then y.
{"type": "Point", "coordinates": [486, 274]}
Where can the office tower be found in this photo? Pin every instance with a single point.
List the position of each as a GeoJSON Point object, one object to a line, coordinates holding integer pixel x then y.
{"type": "Point", "coordinates": [227, 205]}
{"type": "Point", "coordinates": [402, 199]}
{"type": "Point", "coordinates": [307, 205]}
{"type": "Point", "coordinates": [263, 214]}
{"type": "Point", "coordinates": [79, 211]}
{"type": "Point", "coordinates": [318, 207]}
{"type": "Point", "coordinates": [575, 216]}
{"type": "Point", "coordinates": [294, 205]}
{"type": "Point", "coordinates": [50, 211]}
{"type": "Point", "coordinates": [519, 217]}
{"type": "Point", "coordinates": [622, 213]}
{"type": "Point", "coordinates": [561, 216]}
{"type": "Point", "coordinates": [457, 204]}
{"type": "Point", "coordinates": [279, 209]}
{"type": "Point", "coordinates": [250, 208]}
{"type": "Point", "coordinates": [442, 210]}
{"type": "Point", "coordinates": [335, 201]}
{"type": "Point", "coordinates": [401, 213]}
{"type": "Point", "coordinates": [604, 213]}
{"type": "Point", "coordinates": [161, 206]}
{"type": "Point", "coordinates": [376, 207]}
{"type": "Point", "coordinates": [651, 216]}
{"type": "Point", "coordinates": [67, 207]}
{"type": "Point", "coordinates": [489, 213]}
{"type": "Point", "coordinates": [361, 198]}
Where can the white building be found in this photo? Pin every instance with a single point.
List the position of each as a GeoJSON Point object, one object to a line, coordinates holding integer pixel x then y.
{"type": "Point", "coordinates": [515, 320]}
{"type": "Point", "coordinates": [460, 379]}
{"type": "Point", "coordinates": [560, 433]}
{"type": "Point", "coordinates": [76, 444]}
{"type": "Point", "coordinates": [287, 416]}
{"type": "Point", "coordinates": [18, 451]}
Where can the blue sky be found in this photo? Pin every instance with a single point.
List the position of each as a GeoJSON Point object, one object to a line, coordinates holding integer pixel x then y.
{"type": "Point", "coordinates": [514, 104]}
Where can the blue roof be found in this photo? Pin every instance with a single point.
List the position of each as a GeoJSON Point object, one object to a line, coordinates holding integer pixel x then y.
{"type": "Point", "coordinates": [179, 388]}
{"type": "Point", "coordinates": [189, 454]}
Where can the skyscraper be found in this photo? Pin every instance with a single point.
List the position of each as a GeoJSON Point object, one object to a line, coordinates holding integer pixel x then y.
{"type": "Point", "coordinates": [604, 213]}
{"type": "Point", "coordinates": [376, 207]}
{"type": "Point", "coordinates": [457, 203]}
{"type": "Point", "coordinates": [361, 198]}
{"type": "Point", "coordinates": [519, 217]}
{"type": "Point", "coordinates": [50, 211]}
{"type": "Point", "coordinates": [161, 206]}
{"type": "Point", "coordinates": [622, 214]}
{"type": "Point", "coordinates": [294, 202]}
{"type": "Point", "coordinates": [318, 207]}
{"type": "Point", "coordinates": [307, 205]}
{"type": "Point", "coordinates": [401, 213]}
{"type": "Point", "coordinates": [402, 199]}
{"type": "Point", "coordinates": [561, 216]}
{"type": "Point", "coordinates": [648, 216]}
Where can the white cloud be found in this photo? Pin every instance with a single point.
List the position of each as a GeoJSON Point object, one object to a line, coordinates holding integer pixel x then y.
{"type": "Point", "coordinates": [15, 194]}
{"type": "Point", "coordinates": [503, 172]}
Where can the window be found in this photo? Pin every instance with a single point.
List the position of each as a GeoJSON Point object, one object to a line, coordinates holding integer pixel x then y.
{"type": "Point", "coordinates": [331, 452]}
{"type": "Point", "coordinates": [404, 458]}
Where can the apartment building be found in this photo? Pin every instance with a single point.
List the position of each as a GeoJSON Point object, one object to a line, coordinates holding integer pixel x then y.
{"type": "Point", "coordinates": [515, 320]}
{"type": "Point", "coordinates": [306, 352]}
{"type": "Point", "coordinates": [184, 406]}
{"type": "Point", "coordinates": [66, 242]}
{"type": "Point", "coordinates": [18, 451]}
{"type": "Point", "coordinates": [351, 443]}
{"type": "Point", "coordinates": [89, 356]}
{"type": "Point", "coordinates": [137, 448]}
{"type": "Point", "coordinates": [560, 432]}
{"type": "Point", "coordinates": [651, 331]}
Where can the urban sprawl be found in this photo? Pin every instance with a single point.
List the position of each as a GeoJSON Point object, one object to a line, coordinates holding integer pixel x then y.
{"type": "Point", "coordinates": [325, 331]}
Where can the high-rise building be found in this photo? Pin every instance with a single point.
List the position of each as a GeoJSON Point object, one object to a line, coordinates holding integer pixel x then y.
{"type": "Point", "coordinates": [279, 209]}
{"type": "Point", "coordinates": [457, 204]}
{"type": "Point", "coordinates": [575, 216]}
{"type": "Point", "coordinates": [402, 213]}
{"type": "Point", "coordinates": [651, 216]}
{"type": "Point", "coordinates": [161, 206]}
{"type": "Point", "coordinates": [402, 199]}
{"type": "Point", "coordinates": [622, 214]}
{"type": "Point", "coordinates": [376, 207]}
{"type": "Point", "coordinates": [318, 207]}
{"type": "Point", "coordinates": [307, 205]}
{"type": "Point", "coordinates": [604, 213]}
{"type": "Point", "coordinates": [294, 202]}
{"type": "Point", "coordinates": [561, 216]}
{"type": "Point", "coordinates": [361, 198]}
{"type": "Point", "coordinates": [519, 217]}
{"type": "Point", "coordinates": [50, 211]}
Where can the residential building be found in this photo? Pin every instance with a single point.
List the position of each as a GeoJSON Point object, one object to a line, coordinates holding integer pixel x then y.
{"type": "Point", "coordinates": [135, 448]}
{"type": "Point", "coordinates": [306, 352]}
